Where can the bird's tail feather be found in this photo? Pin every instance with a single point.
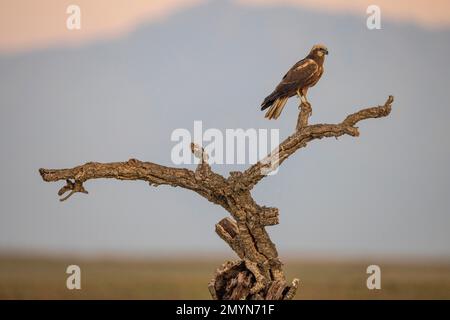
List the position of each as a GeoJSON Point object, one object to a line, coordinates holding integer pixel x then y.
{"type": "Point", "coordinates": [276, 108]}
{"type": "Point", "coordinates": [269, 100]}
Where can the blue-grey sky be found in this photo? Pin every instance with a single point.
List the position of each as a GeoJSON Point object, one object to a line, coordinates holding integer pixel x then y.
{"type": "Point", "coordinates": [386, 192]}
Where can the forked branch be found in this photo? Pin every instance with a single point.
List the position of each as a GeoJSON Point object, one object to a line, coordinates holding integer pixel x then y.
{"type": "Point", "coordinates": [305, 133]}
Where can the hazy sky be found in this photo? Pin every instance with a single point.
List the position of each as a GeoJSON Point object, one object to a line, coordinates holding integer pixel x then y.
{"type": "Point", "coordinates": [27, 24]}
{"type": "Point", "coordinates": [144, 73]}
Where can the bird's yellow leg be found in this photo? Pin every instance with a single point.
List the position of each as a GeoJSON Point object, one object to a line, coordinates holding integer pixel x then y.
{"type": "Point", "coordinates": [301, 97]}
{"type": "Point", "coordinates": [304, 102]}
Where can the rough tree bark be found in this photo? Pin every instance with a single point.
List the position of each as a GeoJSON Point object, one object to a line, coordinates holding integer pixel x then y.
{"type": "Point", "coordinates": [258, 273]}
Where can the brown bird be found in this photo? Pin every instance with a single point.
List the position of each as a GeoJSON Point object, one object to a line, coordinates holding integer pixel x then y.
{"type": "Point", "coordinates": [303, 75]}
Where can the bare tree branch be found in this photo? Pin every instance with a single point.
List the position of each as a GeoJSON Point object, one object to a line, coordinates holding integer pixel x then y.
{"type": "Point", "coordinates": [131, 170]}
{"type": "Point", "coordinates": [199, 181]}
{"type": "Point", "coordinates": [306, 133]}
{"type": "Point", "coordinates": [304, 114]}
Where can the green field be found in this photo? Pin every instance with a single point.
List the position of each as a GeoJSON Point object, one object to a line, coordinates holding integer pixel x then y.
{"type": "Point", "coordinates": [45, 278]}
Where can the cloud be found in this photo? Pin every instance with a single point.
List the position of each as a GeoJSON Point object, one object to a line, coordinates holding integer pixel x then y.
{"type": "Point", "coordinates": [39, 24]}
{"type": "Point", "coordinates": [429, 14]}
{"type": "Point", "coordinates": [26, 25]}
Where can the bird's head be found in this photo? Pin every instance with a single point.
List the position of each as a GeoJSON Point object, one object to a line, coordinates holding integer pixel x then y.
{"type": "Point", "coordinates": [319, 50]}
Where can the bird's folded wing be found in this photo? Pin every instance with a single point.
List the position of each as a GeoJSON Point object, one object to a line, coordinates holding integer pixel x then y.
{"type": "Point", "coordinates": [301, 72]}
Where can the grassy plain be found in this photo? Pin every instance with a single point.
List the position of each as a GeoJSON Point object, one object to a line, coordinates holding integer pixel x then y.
{"type": "Point", "coordinates": [23, 277]}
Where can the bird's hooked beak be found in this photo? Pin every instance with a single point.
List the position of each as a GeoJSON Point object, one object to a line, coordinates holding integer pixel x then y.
{"type": "Point", "coordinates": [325, 51]}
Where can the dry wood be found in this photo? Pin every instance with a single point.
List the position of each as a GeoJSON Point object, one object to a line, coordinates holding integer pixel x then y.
{"type": "Point", "coordinates": [259, 274]}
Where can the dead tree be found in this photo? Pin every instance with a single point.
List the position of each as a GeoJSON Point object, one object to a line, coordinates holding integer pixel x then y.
{"type": "Point", "coordinates": [258, 273]}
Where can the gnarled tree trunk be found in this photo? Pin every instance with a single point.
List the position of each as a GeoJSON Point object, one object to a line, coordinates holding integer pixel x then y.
{"type": "Point", "coordinates": [258, 273]}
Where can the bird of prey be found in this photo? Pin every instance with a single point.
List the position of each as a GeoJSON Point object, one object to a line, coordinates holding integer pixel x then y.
{"type": "Point", "coordinates": [303, 75]}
